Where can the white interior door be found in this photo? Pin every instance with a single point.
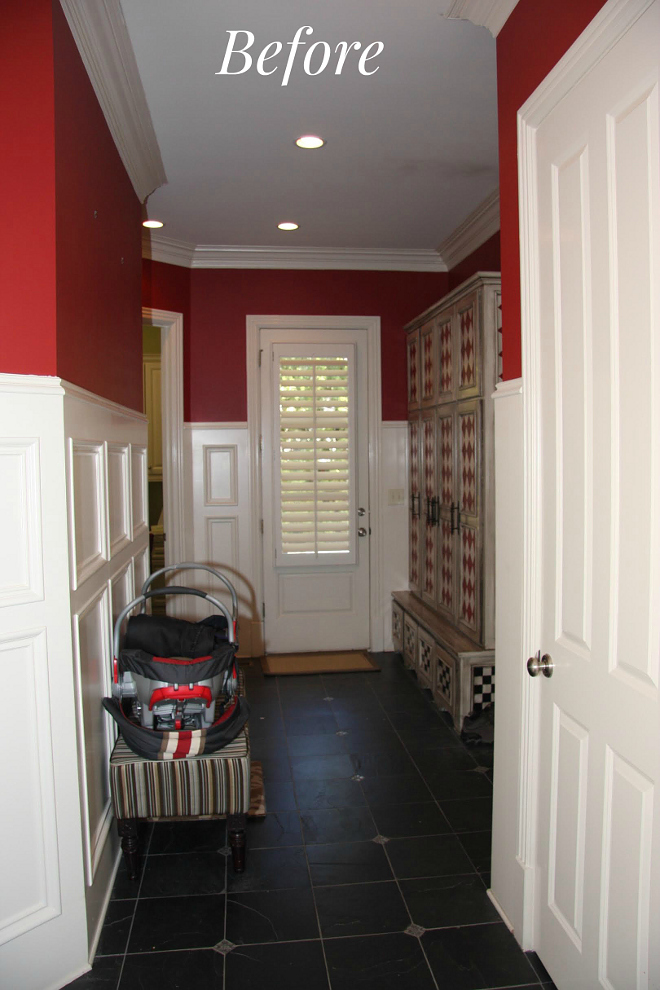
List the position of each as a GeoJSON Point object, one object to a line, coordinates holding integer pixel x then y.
{"type": "Point", "coordinates": [596, 163]}
{"type": "Point", "coordinates": [315, 492]}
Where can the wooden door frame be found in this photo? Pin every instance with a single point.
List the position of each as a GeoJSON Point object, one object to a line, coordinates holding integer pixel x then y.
{"type": "Point", "coordinates": [601, 35]}
{"type": "Point", "coordinates": [171, 348]}
{"type": "Point", "coordinates": [371, 326]}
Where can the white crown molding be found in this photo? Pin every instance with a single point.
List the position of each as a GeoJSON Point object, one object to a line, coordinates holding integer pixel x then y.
{"type": "Point", "coordinates": [481, 224]}
{"type": "Point", "coordinates": [100, 33]}
{"type": "Point", "coordinates": [167, 249]}
{"type": "Point", "coordinates": [77, 392]}
{"type": "Point", "coordinates": [174, 252]}
{"type": "Point", "coordinates": [508, 387]}
{"type": "Point", "coordinates": [491, 14]}
{"type": "Point", "coordinates": [31, 384]}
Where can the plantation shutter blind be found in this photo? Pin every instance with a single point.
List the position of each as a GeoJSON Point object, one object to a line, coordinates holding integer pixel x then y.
{"type": "Point", "coordinates": [315, 455]}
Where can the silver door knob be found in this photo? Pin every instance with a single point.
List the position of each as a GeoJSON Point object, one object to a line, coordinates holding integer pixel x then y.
{"type": "Point", "coordinates": [362, 531]}
{"type": "Point", "coordinates": [544, 665]}
{"type": "Point", "coordinates": [361, 511]}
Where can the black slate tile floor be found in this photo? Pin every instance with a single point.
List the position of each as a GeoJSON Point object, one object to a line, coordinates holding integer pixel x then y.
{"type": "Point", "coordinates": [369, 869]}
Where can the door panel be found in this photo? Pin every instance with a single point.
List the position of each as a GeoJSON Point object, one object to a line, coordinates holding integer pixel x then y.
{"type": "Point", "coordinates": [596, 162]}
{"type": "Point", "coordinates": [427, 347]}
{"type": "Point", "coordinates": [446, 431]}
{"type": "Point", "coordinates": [429, 509]}
{"type": "Point", "coordinates": [469, 377]}
{"type": "Point", "coordinates": [446, 344]}
{"type": "Point", "coordinates": [315, 494]}
{"type": "Point", "coordinates": [415, 500]}
{"type": "Point", "coordinates": [414, 393]}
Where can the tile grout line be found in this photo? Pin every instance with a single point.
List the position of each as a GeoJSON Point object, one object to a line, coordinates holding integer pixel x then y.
{"type": "Point", "coordinates": [396, 880]}
{"type": "Point", "coordinates": [302, 833]}
{"type": "Point", "coordinates": [137, 901]}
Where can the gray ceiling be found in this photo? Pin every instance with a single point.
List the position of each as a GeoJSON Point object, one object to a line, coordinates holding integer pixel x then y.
{"type": "Point", "coordinates": [411, 150]}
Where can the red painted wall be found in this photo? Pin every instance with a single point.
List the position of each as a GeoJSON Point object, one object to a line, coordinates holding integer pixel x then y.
{"type": "Point", "coordinates": [221, 299]}
{"type": "Point", "coordinates": [99, 326]}
{"type": "Point", "coordinates": [532, 41]}
{"type": "Point", "coordinates": [27, 180]}
{"type": "Point", "coordinates": [485, 259]}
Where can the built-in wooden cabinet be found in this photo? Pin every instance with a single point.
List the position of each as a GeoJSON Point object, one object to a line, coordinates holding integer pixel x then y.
{"type": "Point", "coordinates": [453, 367]}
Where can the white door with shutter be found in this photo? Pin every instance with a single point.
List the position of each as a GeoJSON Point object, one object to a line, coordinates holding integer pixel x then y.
{"type": "Point", "coordinates": [590, 180]}
{"type": "Point", "coordinates": [315, 493]}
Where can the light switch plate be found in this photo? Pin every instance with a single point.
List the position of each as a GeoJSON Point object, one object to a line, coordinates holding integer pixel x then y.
{"type": "Point", "coordinates": [395, 496]}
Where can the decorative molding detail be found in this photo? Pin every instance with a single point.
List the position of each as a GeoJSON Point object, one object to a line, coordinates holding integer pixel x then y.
{"type": "Point", "coordinates": [512, 386]}
{"type": "Point", "coordinates": [491, 14]}
{"type": "Point", "coordinates": [481, 224]}
{"type": "Point", "coordinates": [87, 510]}
{"type": "Point", "coordinates": [215, 426]}
{"type": "Point", "coordinates": [219, 524]}
{"type": "Point", "coordinates": [118, 496]}
{"type": "Point", "coordinates": [31, 384]}
{"type": "Point", "coordinates": [24, 662]}
{"type": "Point", "coordinates": [94, 833]}
{"type": "Point", "coordinates": [187, 255]}
{"type": "Point", "coordinates": [139, 492]}
{"type": "Point", "coordinates": [171, 325]}
{"type": "Point", "coordinates": [76, 392]}
{"type": "Point", "coordinates": [100, 33]}
{"type": "Point", "coordinates": [229, 453]}
{"type": "Point", "coordinates": [601, 34]}
{"type": "Point", "coordinates": [22, 577]}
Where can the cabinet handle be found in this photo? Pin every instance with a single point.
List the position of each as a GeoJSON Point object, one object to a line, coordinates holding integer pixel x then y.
{"type": "Point", "coordinates": [435, 510]}
{"type": "Point", "coordinates": [455, 524]}
{"type": "Point", "coordinates": [414, 511]}
{"type": "Point", "coordinates": [429, 511]}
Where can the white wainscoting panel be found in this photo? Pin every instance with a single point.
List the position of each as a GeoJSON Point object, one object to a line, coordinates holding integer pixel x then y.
{"type": "Point", "coordinates": [30, 889]}
{"type": "Point", "coordinates": [220, 479]}
{"type": "Point", "coordinates": [108, 502]}
{"type": "Point", "coordinates": [43, 929]}
{"type": "Point", "coordinates": [119, 496]}
{"type": "Point", "coordinates": [141, 569]}
{"type": "Point", "coordinates": [21, 578]}
{"type": "Point", "coordinates": [92, 654]}
{"type": "Point", "coordinates": [139, 490]}
{"type": "Point", "coordinates": [217, 473]}
{"type": "Point", "coordinates": [221, 530]}
{"type": "Point", "coordinates": [88, 509]}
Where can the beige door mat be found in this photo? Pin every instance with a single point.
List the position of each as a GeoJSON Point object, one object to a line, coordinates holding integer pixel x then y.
{"type": "Point", "coordinates": [345, 662]}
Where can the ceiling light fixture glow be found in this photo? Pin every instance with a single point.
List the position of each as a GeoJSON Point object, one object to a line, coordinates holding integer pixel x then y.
{"type": "Point", "coordinates": [153, 223]}
{"type": "Point", "coordinates": [288, 226]}
{"type": "Point", "coordinates": [310, 141]}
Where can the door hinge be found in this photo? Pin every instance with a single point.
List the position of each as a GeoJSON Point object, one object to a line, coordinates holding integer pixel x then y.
{"type": "Point", "coordinates": [263, 610]}
{"type": "Point", "coordinates": [260, 353]}
{"type": "Point", "coordinates": [261, 444]}
{"type": "Point", "coordinates": [261, 523]}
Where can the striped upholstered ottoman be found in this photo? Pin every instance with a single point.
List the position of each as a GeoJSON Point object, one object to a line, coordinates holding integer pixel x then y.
{"type": "Point", "coordinates": [211, 786]}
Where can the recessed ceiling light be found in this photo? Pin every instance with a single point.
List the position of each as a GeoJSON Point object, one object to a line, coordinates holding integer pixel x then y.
{"type": "Point", "coordinates": [288, 226]}
{"type": "Point", "coordinates": [153, 223]}
{"type": "Point", "coordinates": [310, 141]}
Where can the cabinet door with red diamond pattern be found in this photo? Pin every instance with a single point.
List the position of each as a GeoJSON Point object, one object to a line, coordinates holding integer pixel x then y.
{"type": "Point", "coordinates": [414, 503]}
{"type": "Point", "coordinates": [446, 347]}
{"type": "Point", "coordinates": [469, 348]}
{"type": "Point", "coordinates": [446, 434]}
{"type": "Point", "coordinates": [429, 528]}
{"type": "Point", "coordinates": [469, 497]}
{"type": "Point", "coordinates": [427, 364]}
{"type": "Point", "coordinates": [414, 385]}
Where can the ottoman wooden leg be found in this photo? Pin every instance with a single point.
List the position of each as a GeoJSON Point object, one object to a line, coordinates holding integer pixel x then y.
{"type": "Point", "coordinates": [236, 828]}
{"type": "Point", "coordinates": [128, 832]}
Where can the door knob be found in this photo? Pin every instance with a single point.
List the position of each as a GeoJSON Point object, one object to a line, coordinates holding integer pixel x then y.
{"type": "Point", "coordinates": [361, 511]}
{"type": "Point", "coordinates": [544, 665]}
{"type": "Point", "coordinates": [362, 531]}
